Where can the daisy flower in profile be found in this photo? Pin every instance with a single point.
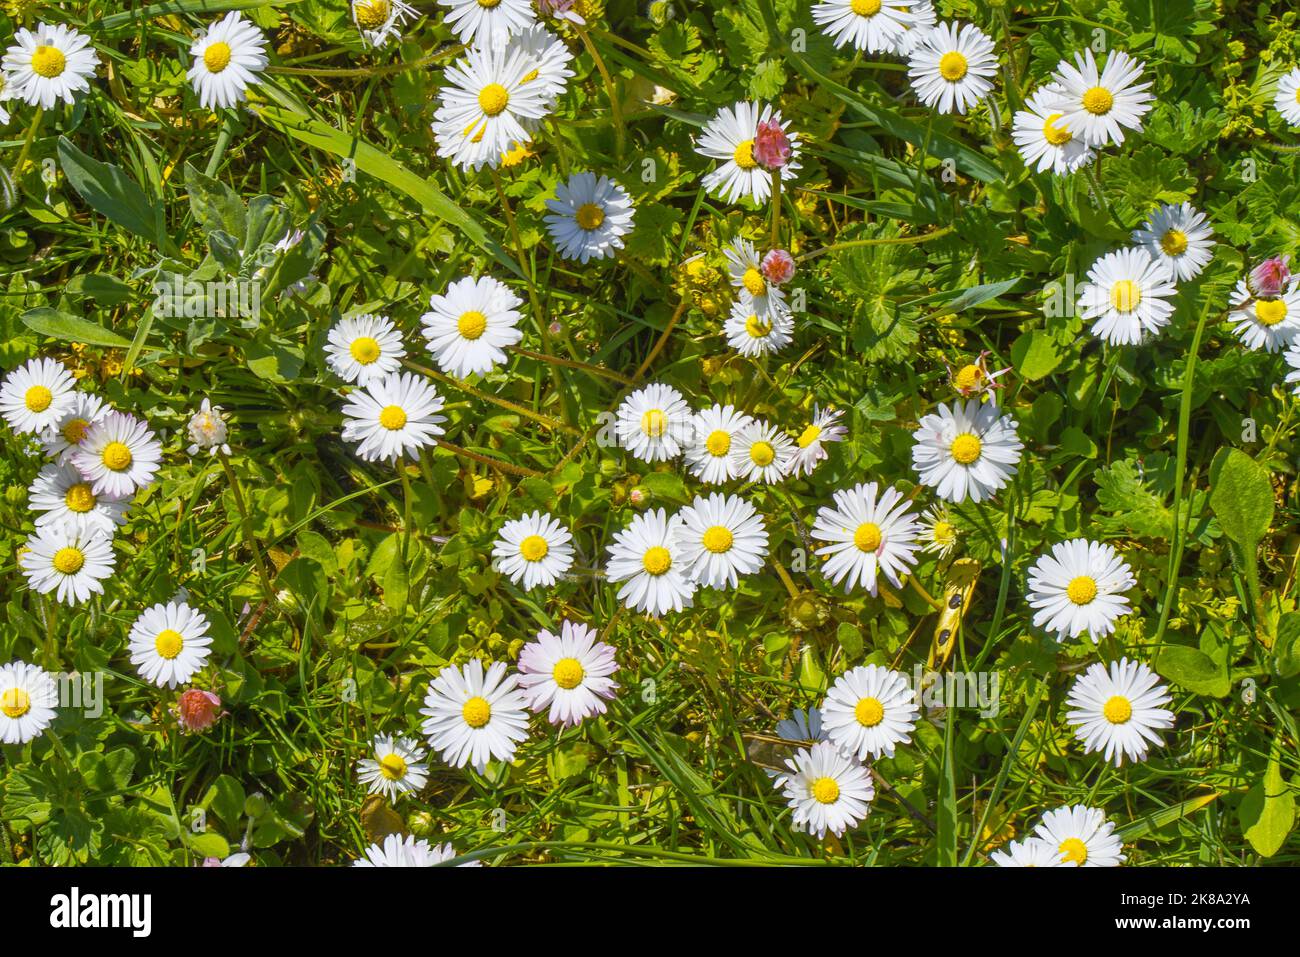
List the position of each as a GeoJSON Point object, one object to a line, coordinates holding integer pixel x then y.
{"type": "Point", "coordinates": [396, 768]}
{"type": "Point", "coordinates": [1127, 296]}
{"type": "Point", "coordinates": [491, 101]}
{"type": "Point", "coordinates": [647, 558]}
{"type": "Point", "coordinates": [61, 497]}
{"type": "Point", "coordinates": [1292, 357]}
{"type": "Point", "coordinates": [746, 270]}
{"type": "Point", "coordinates": [966, 452]}
{"type": "Point", "coordinates": [869, 534]}
{"type": "Point", "coordinates": [472, 717]}
{"type": "Point", "coordinates": [488, 23]}
{"type": "Point", "coordinates": [868, 711]}
{"type": "Point", "coordinates": [975, 378]}
{"type": "Point", "coordinates": [409, 851]}
{"type": "Point", "coordinates": [470, 326]}
{"type": "Point", "coordinates": [755, 334]}
{"type": "Point", "coordinates": [227, 59]}
{"type": "Point", "coordinates": [119, 455]}
{"type": "Point", "coordinates": [169, 643]}
{"type": "Point", "coordinates": [535, 550]}
{"type": "Point", "coordinates": [951, 69]}
{"type": "Point", "coordinates": [51, 64]}
{"type": "Point", "coordinates": [812, 441]}
{"type": "Point", "coordinates": [1098, 106]}
{"type": "Point", "coordinates": [65, 435]}
{"type": "Point", "coordinates": [721, 538]}
{"type": "Point", "coordinates": [655, 423]}
{"type": "Point", "coordinates": [378, 20]}
{"type": "Point", "coordinates": [1287, 100]}
{"type": "Point", "coordinates": [207, 430]}
{"type": "Point", "coordinates": [393, 416]}
{"type": "Point", "coordinates": [707, 455]}
{"type": "Point", "coordinates": [364, 348]}
{"type": "Point", "coordinates": [761, 453]}
{"type": "Point", "coordinates": [1045, 142]}
{"type": "Point", "coordinates": [729, 138]}
{"type": "Point", "coordinates": [28, 700]}
{"type": "Point", "coordinates": [589, 217]}
{"type": "Point", "coordinates": [73, 565]}
{"type": "Point", "coordinates": [827, 790]}
{"type": "Point", "coordinates": [35, 396]}
{"type": "Point", "coordinates": [1079, 587]}
{"type": "Point", "coordinates": [876, 26]}
{"type": "Point", "coordinates": [1031, 852]}
{"type": "Point", "coordinates": [1118, 710]}
{"type": "Point", "coordinates": [1267, 322]}
{"type": "Point", "coordinates": [938, 534]}
{"type": "Point", "coordinates": [1179, 238]}
{"type": "Point", "coordinates": [1081, 836]}
{"type": "Point", "coordinates": [918, 21]}
{"type": "Point", "coordinates": [567, 675]}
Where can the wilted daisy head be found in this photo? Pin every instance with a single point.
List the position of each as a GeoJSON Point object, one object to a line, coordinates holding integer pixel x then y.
{"type": "Point", "coordinates": [207, 430]}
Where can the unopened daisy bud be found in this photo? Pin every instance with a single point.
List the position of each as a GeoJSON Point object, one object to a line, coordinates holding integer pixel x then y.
{"type": "Point", "coordinates": [772, 147]}
{"type": "Point", "coordinates": [207, 430]}
{"type": "Point", "coordinates": [778, 267]}
{"type": "Point", "coordinates": [555, 328]}
{"type": "Point", "coordinates": [637, 496]}
{"type": "Point", "coordinates": [198, 710]}
{"type": "Point", "coordinates": [1269, 277]}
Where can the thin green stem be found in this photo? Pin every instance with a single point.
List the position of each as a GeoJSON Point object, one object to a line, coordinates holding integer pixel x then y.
{"type": "Point", "coordinates": [27, 142]}
{"type": "Point", "coordinates": [247, 524]}
{"type": "Point", "coordinates": [615, 107]}
{"type": "Point", "coordinates": [223, 140]}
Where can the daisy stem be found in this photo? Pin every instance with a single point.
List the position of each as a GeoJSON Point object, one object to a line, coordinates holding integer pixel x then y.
{"type": "Point", "coordinates": [776, 208]}
{"type": "Point", "coordinates": [1095, 179]}
{"type": "Point", "coordinates": [246, 523]}
{"type": "Point", "coordinates": [615, 108]}
{"type": "Point", "coordinates": [487, 460]}
{"type": "Point", "coordinates": [406, 510]}
{"type": "Point", "coordinates": [784, 575]}
{"type": "Point", "coordinates": [27, 142]}
{"type": "Point", "coordinates": [663, 341]}
{"type": "Point", "coordinates": [546, 420]}
{"type": "Point", "coordinates": [575, 364]}
{"type": "Point", "coordinates": [883, 241]}
{"type": "Point", "coordinates": [51, 611]}
{"type": "Point", "coordinates": [223, 140]}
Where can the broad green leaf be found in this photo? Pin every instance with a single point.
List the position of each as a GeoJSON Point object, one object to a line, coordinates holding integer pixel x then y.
{"type": "Point", "coordinates": [1035, 355]}
{"type": "Point", "coordinates": [110, 192]}
{"type": "Point", "coordinates": [1267, 812]}
{"type": "Point", "coordinates": [1194, 670]}
{"type": "Point", "coordinates": [1144, 825]}
{"type": "Point", "coordinates": [66, 328]}
{"type": "Point", "coordinates": [1241, 495]}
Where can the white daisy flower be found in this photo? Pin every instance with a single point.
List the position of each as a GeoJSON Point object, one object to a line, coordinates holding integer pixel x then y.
{"type": "Point", "coordinates": [1031, 852]}
{"type": "Point", "coordinates": [707, 455]}
{"type": "Point", "coordinates": [966, 452]}
{"type": "Point", "coordinates": [65, 435]}
{"type": "Point", "coordinates": [918, 20]}
{"type": "Point", "coordinates": [28, 701]}
{"type": "Point", "coordinates": [870, 533]}
{"type": "Point", "coordinates": [1098, 106]}
{"type": "Point", "coordinates": [396, 769]}
{"type": "Point", "coordinates": [169, 643]}
{"type": "Point", "coordinates": [648, 559]}
{"type": "Point", "coordinates": [655, 423]}
{"type": "Point", "coordinates": [761, 453]}
{"type": "Point", "coordinates": [1044, 141]}
{"type": "Point", "coordinates": [535, 549]}
{"type": "Point", "coordinates": [72, 565]}
{"type": "Point", "coordinates": [409, 851]}
{"type": "Point", "coordinates": [471, 325]}
{"type": "Point", "coordinates": [1271, 323]}
{"type": "Point", "coordinates": [380, 20]}
{"type": "Point", "coordinates": [207, 430]}
{"type": "Point", "coordinates": [812, 441]}
{"type": "Point", "coordinates": [1118, 710]}
{"type": "Point", "coordinates": [753, 333]}
{"type": "Point", "coordinates": [119, 455]}
{"type": "Point", "coordinates": [745, 267]}
{"type": "Point", "coordinates": [1081, 836]}
{"type": "Point", "coordinates": [487, 23]}
{"type": "Point", "coordinates": [6, 94]}
{"type": "Point", "coordinates": [472, 717]}
{"type": "Point", "coordinates": [1079, 588]}
{"type": "Point", "coordinates": [364, 348]}
{"type": "Point", "coordinates": [393, 416]}
{"type": "Point", "coordinates": [568, 675]}
{"type": "Point", "coordinates": [1287, 100]}
{"type": "Point", "coordinates": [1127, 296]}
{"type": "Point", "coordinates": [876, 26]}
{"type": "Point", "coordinates": [1179, 237]}
{"type": "Point", "coordinates": [62, 498]}
{"type": "Point", "coordinates": [951, 69]}
{"type": "Point", "coordinates": [1292, 357]}
{"type": "Point", "coordinates": [51, 64]}
{"type": "Point", "coordinates": [938, 533]}
{"type": "Point", "coordinates": [35, 396]}
{"type": "Point", "coordinates": [827, 790]}
{"type": "Point", "coordinates": [589, 217]}
{"type": "Point", "coordinates": [550, 57]}
{"type": "Point", "coordinates": [721, 538]}
{"type": "Point", "coordinates": [868, 711]}
{"type": "Point", "coordinates": [729, 137]}
{"type": "Point", "coordinates": [227, 59]}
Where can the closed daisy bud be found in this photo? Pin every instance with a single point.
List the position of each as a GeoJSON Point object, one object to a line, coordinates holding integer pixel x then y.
{"type": "Point", "coordinates": [772, 147]}
{"type": "Point", "coordinates": [1270, 277]}
{"type": "Point", "coordinates": [197, 710]}
{"type": "Point", "coordinates": [778, 267]}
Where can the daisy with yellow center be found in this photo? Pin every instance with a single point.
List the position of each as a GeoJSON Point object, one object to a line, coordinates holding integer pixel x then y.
{"type": "Point", "coordinates": [473, 716]}
{"type": "Point", "coordinates": [1046, 143]}
{"type": "Point", "coordinates": [951, 69]}
{"type": "Point", "coordinates": [1099, 105]}
{"type": "Point", "coordinates": [119, 455]}
{"type": "Point", "coordinates": [72, 565]}
{"type": "Point", "coordinates": [872, 26]}
{"type": "Point", "coordinates": [708, 453]}
{"type": "Point", "coordinates": [811, 443]}
{"type": "Point", "coordinates": [1081, 837]}
{"type": "Point", "coordinates": [169, 643]}
{"type": "Point", "coordinates": [63, 438]}
{"type": "Point", "coordinates": [729, 139]}
{"type": "Point", "coordinates": [28, 701]}
{"type": "Point", "coordinates": [1270, 323]}
{"type": "Point", "coordinates": [394, 416]}
{"type": "Point", "coordinates": [1031, 852]}
{"type": "Point", "coordinates": [379, 21]}
{"type": "Point", "coordinates": [228, 59]}
{"type": "Point", "coordinates": [869, 711]}
{"type": "Point", "coordinates": [48, 65]}
{"type": "Point", "coordinates": [654, 423]}
{"type": "Point", "coordinates": [827, 791]}
{"type": "Point", "coordinates": [61, 497]}
{"type": "Point", "coordinates": [1079, 588]}
{"type": "Point", "coordinates": [939, 535]}
{"type": "Point", "coordinates": [721, 538]}
{"type": "Point", "coordinates": [756, 296]}
{"type": "Point", "coordinates": [968, 451]}
{"type": "Point", "coordinates": [488, 23]}
{"type": "Point", "coordinates": [364, 348]}
{"type": "Point", "coordinates": [589, 217]}
{"type": "Point", "coordinates": [397, 767]}
{"type": "Point", "coordinates": [647, 559]}
{"type": "Point", "coordinates": [35, 396]}
{"type": "Point", "coordinates": [535, 550]}
{"type": "Point", "coordinates": [1127, 296]}
{"type": "Point", "coordinates": [567, 675]}
{"type": "Point", "coordinates": [760, 452]}
{"type": "Point", "coordinates": [1118, 710]}
{"type": "Point", "coordinates": [471, 325]}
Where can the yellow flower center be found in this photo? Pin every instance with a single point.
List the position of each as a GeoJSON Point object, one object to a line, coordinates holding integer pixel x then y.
{"type": "Point", "coordinates": [657, 560]}
{"type": "Point", "coordinates": [392, 417]}
{"type": "Point", "coordinates": [476, 712]}
{"type": "Point", "coordinates": [865, 8]}
{"type": "Point", "coordinates": [472, 324]}
{"type": "Point", "coordinates": [744, 155]}
{"type": "Point", "coordinates": [717, 539]}
{"type": "Point", "coordinates": [1098, 100]}
{"type": "Point", "coordinates": [116, 456]}
{"type": "Point", "coordinates": [968, 377]}
{"type": "Point", "coordinates": [1174, 242]}
{"type": "Point", "coordinates": [867, 537]}
{"type": "Point", "coordinates": [718, 443]}
{"type": "Point", "coordinates": [1125, 295]}
{"type": "Point", "coordinates": [1117, 710]}
{"type": "Point", "coordinates": [75, 431]}
{"type": "Point", "coordinates": [965, 448]}
{"type": "Point", "coordinates": [15, 702]}
{"type": "Point", "coordinates": [69, 560]}
{"type": "Point", "coordinates": [952, 66]}
{"type": "Point", "coordinates": [1054, 134]}
{"type": "Point", "coordinates": [753, 282]}
{"type": "Point", "coordinates": [533, 548]}
{"type": "Point", "coordinates": [943, 532]}
{"type": "Point", "coordinates": [364, 349]}
{"type": "Point", "coordinates": [568, 673]}
{"type": "Point", "coordinates": [372, 14]}
{"type": "Point", "coordinates": [216, 57]}
{"type": "Point", "coordinates": [654, 422]}
{"type": "Point", "coordinates": [589, 216]}
{"type": "Point", "coordinates": [393, 767]}
{"type": "Point", "coordinates": [809, 436]}
{"type": "Point", "coordinates": [38, 398]}
{"type": "Point", "coordinates": [48, 61]}
{"type": "Point", "coordinates": [762, 454]}
{"type": "Point", "coordinates": [1073, 849]}
{"type": "Point", "coordinates": [869, 712]}
{"type": "Point", "coordinates": [758, 328]}
{"type": "Point", "coordinates": [1270, 312]}
{"type": "Point", "coordinates": [1081, 590]}
{"type": "Point", "coordinates": [169, 643]}
{"type": "Point", "coordinates": [79, 498]}
{"type": "Point", "coordinates": [492, 99]}
{"type": "Point", "coordinates": [488, 4]}
{"type": "Point", "coordinates": [825, 790]}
